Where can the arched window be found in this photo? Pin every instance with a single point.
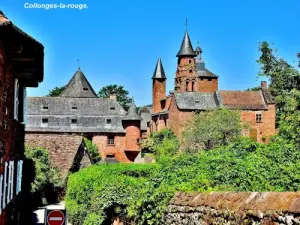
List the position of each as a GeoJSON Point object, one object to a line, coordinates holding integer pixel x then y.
{"type": "Point", "coordinates": [193, 86]}
{"type": "Point", "coordinates": [186, 85]}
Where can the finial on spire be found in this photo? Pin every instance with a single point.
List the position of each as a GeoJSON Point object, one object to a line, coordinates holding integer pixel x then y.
{"type": "Point", "coordinates": [78, 62]}
{"type": "Point", "coordinates": [186, 23]}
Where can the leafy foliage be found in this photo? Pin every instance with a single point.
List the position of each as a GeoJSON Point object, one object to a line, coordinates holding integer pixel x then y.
{"type": "Point", "coordinates": [162, 143]}
{"type": "Point", "coordinates": [254, 89]}
{"type": "Point", "coordinates": [55, 92]}
{"type": "Point", "coordinates": [141, 193]}
{"type": "Point", "coordinates": [47, 178]}
{"type": "Point", "coordinates": [92, 150]}
{"type": "Point", "coordinates": [121, 93]}
{"type": "Point", "coordinates": [209, 129]}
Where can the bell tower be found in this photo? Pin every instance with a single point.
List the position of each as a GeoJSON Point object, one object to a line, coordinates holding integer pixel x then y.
{"type": "Point", "coordinates": [185, 79]}
{"type": "Point", "coordinates": [158, 86]}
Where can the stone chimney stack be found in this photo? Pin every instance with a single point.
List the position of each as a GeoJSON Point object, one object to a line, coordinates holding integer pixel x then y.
{"type": "Point", "coordinates": [264, 84]}
{"type": "Point", "coordinates": [113, 96]}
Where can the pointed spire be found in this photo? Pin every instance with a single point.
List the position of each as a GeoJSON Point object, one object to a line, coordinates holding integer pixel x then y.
{"type": "Point", "coordinates": [198, 50]}
{"type": "Point", "coordinates": [186, 48]}
{"type": "Point", "coordinates": [132, 112]}
{"type": "Point", "coordinates": [159, 72]}
{"type": "Point", "coordinates": [79, 87]}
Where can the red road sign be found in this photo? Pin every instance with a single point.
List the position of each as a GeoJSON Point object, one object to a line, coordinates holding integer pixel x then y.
{"type": "Point", "coordinates": [56, 217]}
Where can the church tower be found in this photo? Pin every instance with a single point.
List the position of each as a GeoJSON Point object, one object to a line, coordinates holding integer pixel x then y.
{"type": "Point", "coordinates": [158, 87]}
{"type": "Point", "coordinates": [185, 79]}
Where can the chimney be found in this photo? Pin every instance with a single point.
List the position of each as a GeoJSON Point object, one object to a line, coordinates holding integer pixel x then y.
{"type": "Point", "coordinates": [113, 96]}
{"type": "Point", "coordinates": [264, 84]}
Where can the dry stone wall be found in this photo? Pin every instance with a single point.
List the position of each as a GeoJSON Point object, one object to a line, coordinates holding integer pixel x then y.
{"type": "Point", "coordinates": [269, 208]}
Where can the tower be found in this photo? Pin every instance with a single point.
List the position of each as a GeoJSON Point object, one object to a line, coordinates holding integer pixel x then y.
{"type": "Point", "coordinates": [185, 79]}
{"type": "Point", "coordinates": [132, 126]}
{"type": "Point", "coordinates": [158, 86]}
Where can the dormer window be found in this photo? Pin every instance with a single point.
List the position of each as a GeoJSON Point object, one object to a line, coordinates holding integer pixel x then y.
{"type": "Point", "coordinates": [73, 121]}
{"type": "Point", "coordinates": [85, 89]}
{"type": "Point", "coordinates": [45, 107]}
{"type": "Point", "coordinates": [112, 108]}
{"type": "Point", "coordinates": [74, 107]}
{"type": "Point", "coordinates": [197, 101]}
{"type": "Point", "coordinates": [45, 120]}
{"type": "Point", "coordinates": [108, 121]}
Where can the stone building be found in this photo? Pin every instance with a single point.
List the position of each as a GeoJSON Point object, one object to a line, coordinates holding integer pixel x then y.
{"type": "Point", "coordinates": [196, 89]}
{"type": "Point", "coordinates": [60, 123]}
{"type": "Point", "coordinates": [21, 66]}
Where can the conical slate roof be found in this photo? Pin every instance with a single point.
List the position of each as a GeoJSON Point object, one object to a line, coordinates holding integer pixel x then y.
{"type": "Point", "coordinates": [159, 72]}
{"type": "Point", "coordinates": [186, 48]}
{"type": "Point", "coordinates": [78, 87]}
{"type": "Point", "coordinates": [132, 112]}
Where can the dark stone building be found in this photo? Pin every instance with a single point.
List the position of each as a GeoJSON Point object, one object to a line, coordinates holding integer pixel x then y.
{"type": "Point", "coordinates": [21, 66]}
{"type": "Point", "coordinates": [78, 112]}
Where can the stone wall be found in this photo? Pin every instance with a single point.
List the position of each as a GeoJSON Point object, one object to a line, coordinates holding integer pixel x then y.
{"type": "Point", "coordinates": [62, 148]}
{"type": "Point", "coordinates": [266, 208]}
{"type": "Point", "coordinates": [158, 93]}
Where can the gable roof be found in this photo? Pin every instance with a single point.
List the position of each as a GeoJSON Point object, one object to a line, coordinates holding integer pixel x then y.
{"type": "Point", "coordinates": [78, 87]}
{"type": "Point", "coordinates": [196, 101]}
{"type": "Point", "coordinates": [268, 96]}
{"type": "Point", "coordinates": [243, 100]}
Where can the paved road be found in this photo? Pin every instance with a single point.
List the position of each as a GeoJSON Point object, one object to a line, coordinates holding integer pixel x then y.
{"type": "Point", "coordinates": [41, 212]}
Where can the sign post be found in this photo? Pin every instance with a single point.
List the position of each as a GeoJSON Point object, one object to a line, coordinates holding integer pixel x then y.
{"type": "Point", "coordinates": [56, 217]}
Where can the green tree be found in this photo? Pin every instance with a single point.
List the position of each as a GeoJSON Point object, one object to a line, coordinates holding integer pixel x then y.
{"type": "Point", "coordinates": [55, 92]}
{"type": "Point", "coordinates": [209, 129]}
{"type": "Point", "coordinates": [162, 143]}
{"type": "Point", "coordinates": [47, 177]}
{"type": "Point", "coordinates": [121, 93]}
{"type": "Point", "coordinates": [283, 76]}
{"type": "Point", "coordinates": [254, 89]}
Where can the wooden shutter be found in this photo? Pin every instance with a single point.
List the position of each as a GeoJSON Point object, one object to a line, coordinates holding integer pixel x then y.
{"type": "Point", "coordinates": [16, 100]}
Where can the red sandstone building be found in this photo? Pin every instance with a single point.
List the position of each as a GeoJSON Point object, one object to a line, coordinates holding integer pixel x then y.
{"type": "Point", "coordinates": [196, 89]}
{"type": "Point", "coordinates": [60, 123]}
{"type": "Point", "coordinates": [21, 66]}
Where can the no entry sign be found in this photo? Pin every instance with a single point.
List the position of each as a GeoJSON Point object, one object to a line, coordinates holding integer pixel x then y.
{"type": "Point", "coordinates": [56, 217]}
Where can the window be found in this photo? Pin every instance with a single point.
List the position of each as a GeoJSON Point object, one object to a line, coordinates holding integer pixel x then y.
{"type": "Point", "coordinates": [111, 156]}
{"type": "Point", "coordinates": [74, 121]}
{"type": "Point", "coordinates": [110, 140]}
{"type": "Point", "coordinates": [74, 107]}
{"type": "Point", "coordinates": [187, 86]}
{"type": "Point", "coordinates": [108, 121]}
{"type": "Point", "coordinates": [258, 118]}
{"type": "Point", "coordinates": [193, 86]}
{"type": "Point", "coordinates": [16, 100]}
{"type": "Point", "coordinates": [197, 101]}
{"type": "Point", "coordinates": [191, 71]}
{"type": "Point", "coordinates": [190, 61]}
{"type": "Point", "coordinates": [44, 120]}
{"type": "Point", "coordinates": [24, 105]}
{"type": "Point", "coordinates": [112, 108]}
{"type": "Point", "coordinates": [138, 141]}
{"type": "Point", "coordinates": [45, 107]}
{"type": "Point", "coordinates": [85, 89]}
{"type": "Point", "coordinates": [209, 79]}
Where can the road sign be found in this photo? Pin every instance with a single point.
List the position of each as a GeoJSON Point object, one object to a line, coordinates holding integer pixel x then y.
{"type": "Point", "coordinates": [56, 217]}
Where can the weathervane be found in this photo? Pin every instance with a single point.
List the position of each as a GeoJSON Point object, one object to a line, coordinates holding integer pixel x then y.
{"type": "Point", "coordinates": [78, 62]}
{"type": "Point", "coordinates": [186, 23]}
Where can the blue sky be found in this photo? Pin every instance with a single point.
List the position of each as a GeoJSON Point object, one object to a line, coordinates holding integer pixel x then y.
{"type": "Point", "coordinates": [119, 42]}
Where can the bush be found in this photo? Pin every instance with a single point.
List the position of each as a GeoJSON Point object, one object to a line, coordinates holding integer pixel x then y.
{"type": "Point", "coordinates": [92, 150]}
{"type": "Point", "coordinates": [47, 178]}
{"type": "Point", "coordinates": [141, 193]}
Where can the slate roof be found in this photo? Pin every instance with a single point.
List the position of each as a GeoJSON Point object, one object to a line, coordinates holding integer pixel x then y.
{"type": "Point", "coordinates": [249, 100]}
{"type": "Point", "coordinates": [79, 87]}
{"type": "Point", "coordinates": [201, 71]}
{"type": "Point", "coordinates": [196, 101]}
{"type": "Point", "coordinates": [132, 112]}
{"type": "Point", "coordinates": [186, 48]}
{"type": "Point", "coordinates": [159, 72]}
{"type": "Point", "coordinates": [145, 114]}
{"type": "Point", "coordinates": [91, 115]}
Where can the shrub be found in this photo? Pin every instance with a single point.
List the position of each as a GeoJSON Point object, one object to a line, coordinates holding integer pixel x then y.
{"type": "Point", "coordinates": [92, 150]}
{"type": "Point", "coordinates": [47, 178]}
{"type": "Point", "coordinates": [141, 192]}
